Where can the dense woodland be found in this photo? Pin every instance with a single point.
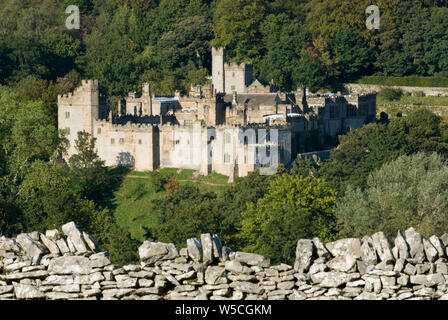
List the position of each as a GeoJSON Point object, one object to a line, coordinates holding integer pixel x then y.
{"type": "Point", "coordinates": [385, 176]}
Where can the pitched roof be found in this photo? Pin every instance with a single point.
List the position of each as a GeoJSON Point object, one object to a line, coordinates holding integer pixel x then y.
{"type": "Point", "coordinates": [254, 100]}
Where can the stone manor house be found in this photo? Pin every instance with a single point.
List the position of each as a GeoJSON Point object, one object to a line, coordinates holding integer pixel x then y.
{"type": "Point", "coordinates": [232, 126]}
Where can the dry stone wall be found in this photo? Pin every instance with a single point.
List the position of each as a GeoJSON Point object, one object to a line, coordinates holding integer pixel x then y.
{"type": "Point", "coordinates": [70, 265]}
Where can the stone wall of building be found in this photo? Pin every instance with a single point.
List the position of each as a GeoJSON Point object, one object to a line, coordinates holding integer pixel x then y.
{"type": "Point", "coordinates": [69, 265]}
{"type": "Point", "coordinates": [366, 88]}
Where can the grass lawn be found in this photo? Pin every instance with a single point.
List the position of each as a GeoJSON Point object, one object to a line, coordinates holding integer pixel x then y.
{"type": "Point", "coordinates": [438, 105]}
{"type": "Point", "coordinates": [135, 198]}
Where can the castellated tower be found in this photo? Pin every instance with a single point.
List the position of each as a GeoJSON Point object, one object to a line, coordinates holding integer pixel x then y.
{"type": "Point", "coordinates": [77, 111]}
{"type": "Point", "coordinates": [218, 72]}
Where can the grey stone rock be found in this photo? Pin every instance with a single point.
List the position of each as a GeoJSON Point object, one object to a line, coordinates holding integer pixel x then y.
{"type": "Point", "coordinates": [183, 252]}
{"type": "Point", "coordinates": [344, 263]}
{"type": "Point", "coordinates": [213, 274]}
{"type": "Point", "coordinates": [141, 274]}
{"type": "Point", "coordinates": [383, 247]}
{"type": "Point", "coordinates": [194, 249]}
{"type": "Point", "coordinates": [145, 283]}
{"type": "Point", "coordinates": [237, 268]}
{"type": "Point", "coordinates": [6, 289]}
{"type": "Point", "coordinates": [70, 288]}
{"type": "Point", "coordinates": [320, 267]}
{"type": "Point", "coordinates": [441, 267]}
{"type": "Point", "coordinates": [7, 244]}
{"type": "Point", "coordinates": [33, 249]}
{"type": "Point", "coordinates": [286, 285]}
{"type": "Point", "coordinates": [207, 248]}
{"type": "Point", "coordinates": [151, 252]}
{"type": "Point", "coordinates": [322, 251]}
{"type": "Point", "coordinates": [25, 275]}
{"type": "Point", "coordinates": [247, 287]}
{"type": "Point", "coordinates": [117, 293]}
{"type": "Point", "coordinates": [34, 235]}
{"type": "Point", "coordinates": [402, 246]}
{"type": "Point", "coordinates": [410, 269]}
{"type": "Point", "coordinates": [53, 235]}
{"type": "Point", "coordinates": [430, 251]}
{"type": "Point", "coordinates": [373, 283]}
{"type": "Point", "coordinates": [61, 296]}
{"type": "Point", "coordinates": [252, 259]}
{"type": "Point", "coordinates": [71, 246]}
{"type": "Point", "coordinates": [26, 291]}
{"type": "Point", "coordinates": [388, 281]}
{"type": "Point", "coordinates": [17, 266]}
{"type": "Point", "coordinates": [403, 280]}
{"type": "Point", "coordinates": [399, 264]}
{"type": "Point", "coordinates": [357, 283]}
{"type": "Point", "coordinates": [444, 239]}
{"type": "Point", "coordinates": [91, 242]}
{"type": "Point", "coordinates": [333, 279]}
{"type": "Point", "coordinates": [99, 260]}
{"type": "Point", "coordinates": [415, 242]}
{"type": "Point", "coordinates": [51, 246]}
{"type": "Point", "coordinates": [437, 243]}
{"type": "Point", "coordinates": [423, 268]}
{"type": "Point", "coordinates": [75, 236]}
{"type": "Point", "coordinates": [351, 246]}
{"type": "Point", "coordinates": [217, 246]}
{"type": "Point", "coordinates": [124, 281]}
{"type": "Point", "coordinates": [63, 246]}
{"type": "Point", "coordinates": [297, 295]}
{"type": "Point", "coordinates": [304, 255]}
{"type": "Point", "coordinates": [70, 265]}
{"type": "Point", "coordinates": [368, 253]}
{"type": "Point", "coordinates": [385, 265]}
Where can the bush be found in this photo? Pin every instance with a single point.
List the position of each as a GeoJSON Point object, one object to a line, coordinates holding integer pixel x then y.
{"type": "Point", "coordinates": [418, 94]}
{"type": "Point", "coordinates": [408, 192]}
{"type": "Point", "coordinates": [158, 181]}
{"type": "Point", "coordinates": [391, 94]}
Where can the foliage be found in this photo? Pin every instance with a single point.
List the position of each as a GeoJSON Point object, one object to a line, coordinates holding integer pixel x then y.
{"type": "Point", "coordinates": [359, 152]}
{"type": "Point", "coordinates": [410, 191]}
{"type": "Point", "coordinates": [391, 94]}
{"type": "Point", "coordinates": [299, 206]}
{"type": "Point", "coordinates": [90, 178]}
{"type": "Point", "coordinates": [186, 213]}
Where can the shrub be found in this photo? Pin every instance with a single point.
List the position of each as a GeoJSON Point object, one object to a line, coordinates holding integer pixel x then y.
{"type": "Point", "coordinates": [391, 94]}
{"type": "Point", "coordinates": [408, 192]}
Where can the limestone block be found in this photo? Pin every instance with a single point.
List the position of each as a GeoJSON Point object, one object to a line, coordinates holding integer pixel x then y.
{"type": "Point", "coordinates": [75, 236]}
{"type": "Point", "coordinates": [194, 249]}
{"type": "Point", "coordinates": [252, 259]}
{"type": "Point", "coordinates": [237, 268]}
{"type": "Point", "coordinates": [207, 248]}
{"type": "Point", "coordinates": [213, 274]}
{"type": "Point", "coordinates": [383, 247]}
{"type": "Point", "coordinates": [151, 252]}
{"type": "Point", "coordinates": [345, 263]}
{"type": "Point", "coordinates": [33, 249]}
{"type": "Point", "coordinates": [25, 291]}
{"type": "Point", "coordinates": [415, 241]}
{"type": "Point", "coordinates": [431, 252]}
{"type": "Point", "coordinates": [70, 265]}
{"type": "Point", "coordinates": [368, 253]}
{"type": "Point", "coordinates": [51, 246]}
{"type": "Point", "coordinates": [342, 247]}
{"type": "Point", "coordinates": [322, 251]}
{"type": "Point", "coordinates": [304, 254]}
